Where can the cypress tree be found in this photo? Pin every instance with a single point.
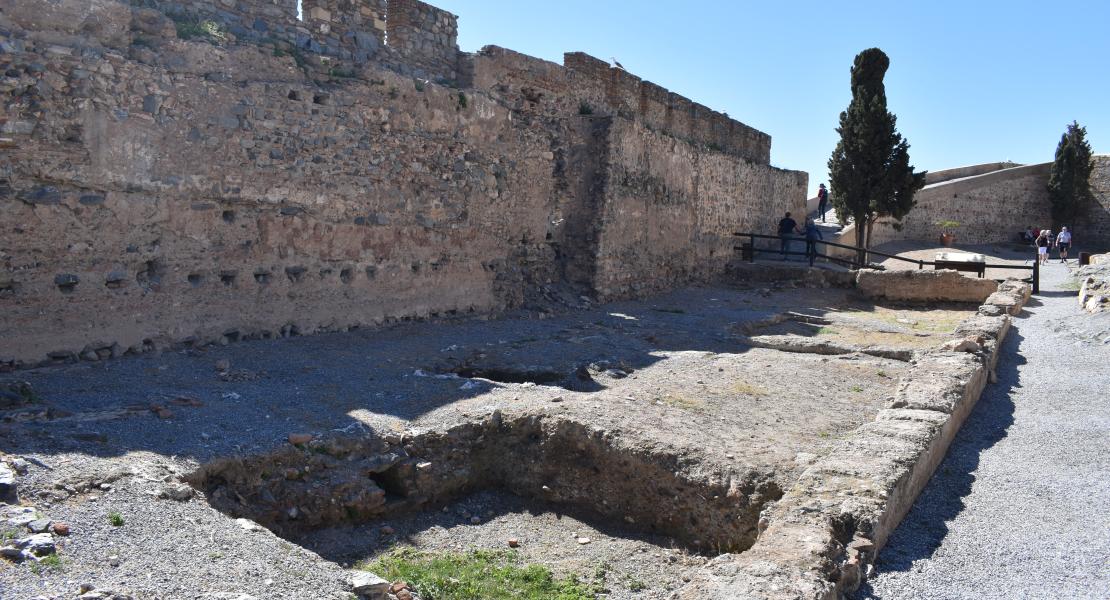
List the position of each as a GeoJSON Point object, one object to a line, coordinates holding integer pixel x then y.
{"type": "Point", "coordinates": [1069, 182]}
{"type": "Point", "coordinates": [870, 174]}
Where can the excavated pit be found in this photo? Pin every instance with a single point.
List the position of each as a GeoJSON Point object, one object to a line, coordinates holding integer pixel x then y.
{"type": "Point", "coordinates": [552, 461]}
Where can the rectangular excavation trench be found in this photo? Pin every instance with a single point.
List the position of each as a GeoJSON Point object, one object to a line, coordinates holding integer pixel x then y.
{"type": "Point", "coordinates": [349, 487]}
{"type": "Point", "coordinates": [547, 461]}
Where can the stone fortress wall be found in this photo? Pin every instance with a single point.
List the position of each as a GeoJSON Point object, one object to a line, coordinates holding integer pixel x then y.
{"type": "Point", "coordinates": [990, 207]}
{"type": "Point", "coordinates": [993, 202]}
{"type": "Point", "coordinates": [1094, 232]}
{"type": "Point", "coordinates": [351, 169]}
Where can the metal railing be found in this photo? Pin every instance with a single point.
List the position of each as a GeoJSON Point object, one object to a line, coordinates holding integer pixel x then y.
{"type": "Point", "coordinates": [749, 251]}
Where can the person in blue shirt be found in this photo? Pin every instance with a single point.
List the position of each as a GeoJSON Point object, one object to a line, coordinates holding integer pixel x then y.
{"type": "Point", "coordinates": [812, 235]}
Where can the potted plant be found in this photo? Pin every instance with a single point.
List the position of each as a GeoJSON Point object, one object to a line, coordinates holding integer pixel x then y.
{"type": "Point", "coordinates": [947, 233]}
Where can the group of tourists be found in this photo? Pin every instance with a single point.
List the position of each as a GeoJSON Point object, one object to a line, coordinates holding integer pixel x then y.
{"type": "Point", "coordinates": [1044, 240]}
{"type": "Point", "coordinates": [788, 228]}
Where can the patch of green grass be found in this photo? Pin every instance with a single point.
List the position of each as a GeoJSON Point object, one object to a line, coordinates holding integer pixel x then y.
{"type": "Point", "coordinates": [827, 331]}
{"type": "Point", "coordinates": [115, 519]}
{"type": "Point", "coordinates": [463, 101]}
{"type": "Point", "coordinates": [857, 389]}
{"type": "Point", "coordinates": [486, 574]}
{"type": "Point", "coordinates": [49, 563]}
{"type": "Point", "coordinates": [189, 29]}
{"type": "Point", "coordinates": [883, 374]}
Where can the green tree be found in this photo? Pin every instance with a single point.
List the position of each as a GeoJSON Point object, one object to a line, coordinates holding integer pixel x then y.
{"type": "Point", "coordinates": [1069, 182]}
{"type": "Point", "coordinates": [870, 174]}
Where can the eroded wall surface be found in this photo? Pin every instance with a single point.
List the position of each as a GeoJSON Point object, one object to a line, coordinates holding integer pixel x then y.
{"type": "Point", "coordinates": [670, 211]}
{"type": "Point", "coordinates": [159, 191]}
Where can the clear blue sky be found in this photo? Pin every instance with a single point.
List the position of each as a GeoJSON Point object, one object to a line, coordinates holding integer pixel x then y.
{"type": "Point", "coordinates": [971, 81]}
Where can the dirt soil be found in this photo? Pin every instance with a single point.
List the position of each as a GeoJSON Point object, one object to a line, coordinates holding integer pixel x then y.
{"type": "Point", "coordinates": [668, 375]}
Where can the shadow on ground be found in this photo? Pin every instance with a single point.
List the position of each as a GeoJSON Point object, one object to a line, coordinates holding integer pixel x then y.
{"type": "Point", "coordinates": [923, 531]}
{"type": "Point", "coordinates": [377, 377]}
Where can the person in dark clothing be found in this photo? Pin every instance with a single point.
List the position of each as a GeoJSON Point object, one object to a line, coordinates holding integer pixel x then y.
{"type": "Point", "coordinates": [787, 228]}
{"type": "Point", "coordinates": [812, 235]}
{"type": "Point", "coordinates": [822, 201]}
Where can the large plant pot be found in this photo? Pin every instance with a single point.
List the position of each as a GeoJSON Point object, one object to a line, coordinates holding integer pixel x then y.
{"type": "Point", "coordinates": [947, 239]}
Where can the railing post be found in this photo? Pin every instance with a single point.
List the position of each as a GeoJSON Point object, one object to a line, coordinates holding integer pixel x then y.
{"type": "Point", "coordinates": [751, 257]}
{"type": "Point", "coordinates": [1036, 274]}
{"type": "Point", "coordinates": [920, 265]}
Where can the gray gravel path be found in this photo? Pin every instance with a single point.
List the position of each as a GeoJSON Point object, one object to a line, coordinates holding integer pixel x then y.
{"type": "Point", "coordinates": [1020, 508]}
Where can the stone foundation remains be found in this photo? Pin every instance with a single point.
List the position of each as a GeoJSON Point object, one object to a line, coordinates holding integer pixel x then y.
{"type": "Point", "coordinates": [193, 173]}
{"type": "Point", "coordinates": [820, 539]}
{"type": "Point", "coordinates": [325, 483]}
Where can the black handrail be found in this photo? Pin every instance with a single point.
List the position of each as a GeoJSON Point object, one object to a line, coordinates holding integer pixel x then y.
{"type": "Point", "coordinates": [1035, 267]}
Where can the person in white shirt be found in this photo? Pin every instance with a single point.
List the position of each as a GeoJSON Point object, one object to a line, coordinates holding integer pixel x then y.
{"type": "Point", "coordinates": [1063, 242]}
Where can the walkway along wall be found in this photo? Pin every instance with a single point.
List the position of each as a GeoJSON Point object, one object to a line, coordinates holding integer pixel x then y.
{"type": "Point", "coordinates": [160, 191]}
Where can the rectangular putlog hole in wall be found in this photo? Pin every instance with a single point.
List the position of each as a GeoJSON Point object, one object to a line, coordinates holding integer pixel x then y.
{"type": "Point", "coordinates": [294, 273]}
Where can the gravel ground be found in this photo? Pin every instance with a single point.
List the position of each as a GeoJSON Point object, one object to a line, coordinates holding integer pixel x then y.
{"type": "Point", "coordinates": [1020, 507]}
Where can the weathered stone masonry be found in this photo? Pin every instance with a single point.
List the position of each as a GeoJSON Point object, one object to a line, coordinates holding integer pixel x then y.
{"type": "Point", "coordinates": [165, 191]}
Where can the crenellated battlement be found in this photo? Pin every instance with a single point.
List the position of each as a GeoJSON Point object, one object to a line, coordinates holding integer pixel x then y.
{"type": "Point", "coordinates": [415, 38]}
{"type": "Point", "coordinates": [407, 35]}
{"type": "Point", "coordinates": [629, 96]}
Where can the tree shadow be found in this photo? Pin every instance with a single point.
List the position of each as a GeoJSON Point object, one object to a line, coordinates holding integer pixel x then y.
{"type": "Point", "coordinates": [926, 525]}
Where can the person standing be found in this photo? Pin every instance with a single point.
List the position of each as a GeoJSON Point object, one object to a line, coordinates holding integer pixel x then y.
{"type": "Point", "coordinates": [1042, 247]}
{"type": "Point", "coordinates": [787, 228]}
{"type": "Point", "coordinates": [812, 235]}
{"type": "Point", "coordinates": [1063, 243]}
{"type": "Point", "coordinates": [822, 200]}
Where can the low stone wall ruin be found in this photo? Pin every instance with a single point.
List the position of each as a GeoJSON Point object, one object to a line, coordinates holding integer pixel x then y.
{"type": "Point", "coordinates": [923, 286]}
{"type": "Point", "coordinates": [820, 539]}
